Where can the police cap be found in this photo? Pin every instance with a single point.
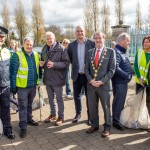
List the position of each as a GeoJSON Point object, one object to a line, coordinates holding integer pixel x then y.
{"type": "Point", "coordinates": [3, 31]}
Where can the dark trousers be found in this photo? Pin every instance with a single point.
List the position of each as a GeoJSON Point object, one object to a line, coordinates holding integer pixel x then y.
{"type": "Point", "coordinates": [68, 89]}
{"type": "Point", "coordinates": [58, 91]}
{"type": "Point", "coordinates": [25, 100]}
{"type": "Point", "coordinates": [4, 108]}
{"type": "Point", "coordinates": [119, 93]}
{"type": "Point", "coordinates": [138, 87]}
{"type": "Point", "coordinates": [94, 95]}
{"type": "Point", "coordinates": [77, 87]}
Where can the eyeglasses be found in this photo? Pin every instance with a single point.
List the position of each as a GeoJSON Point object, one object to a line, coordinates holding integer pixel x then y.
{"type": "Point", "coordinates": [65, 43]}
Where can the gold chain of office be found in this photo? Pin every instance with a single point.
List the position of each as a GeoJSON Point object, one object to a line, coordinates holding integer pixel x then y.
{"type": "Point", "coordinates": [103, 54]}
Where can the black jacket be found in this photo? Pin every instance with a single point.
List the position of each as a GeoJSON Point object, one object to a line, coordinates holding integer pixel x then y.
{"type": "Point", "coordinates": [55, 76]}
{"type": "Point", "coordinates": [123, 68]}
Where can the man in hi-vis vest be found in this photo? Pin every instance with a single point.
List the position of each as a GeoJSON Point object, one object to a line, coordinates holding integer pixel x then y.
{"type": "Point", "coordinates": [24, 76]}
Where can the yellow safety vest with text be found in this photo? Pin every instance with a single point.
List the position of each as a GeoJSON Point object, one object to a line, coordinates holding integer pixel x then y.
{"type": "Point", "coordinates": [22, 74]}
{"type": "Point", "coordinates": [143, 67]}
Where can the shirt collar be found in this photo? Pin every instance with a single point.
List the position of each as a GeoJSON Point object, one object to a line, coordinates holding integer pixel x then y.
{"type": "Point", "coordinates": [84, 40]}
{"type": "Point", "coordinates": [27, 53]}
{"type": "Point", "coordinates": [101, 49]}
{"type": "Point", "coordinates": [53, 45]}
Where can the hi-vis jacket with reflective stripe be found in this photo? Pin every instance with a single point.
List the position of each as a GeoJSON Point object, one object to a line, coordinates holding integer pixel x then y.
{"type": "Point", "coordinates": [143, 66]}
{"type": "Point", "coordinates": [22, 74]}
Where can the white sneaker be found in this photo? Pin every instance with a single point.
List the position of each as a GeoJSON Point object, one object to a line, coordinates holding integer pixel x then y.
{"type": "Point", "coordinates": [69, 96]}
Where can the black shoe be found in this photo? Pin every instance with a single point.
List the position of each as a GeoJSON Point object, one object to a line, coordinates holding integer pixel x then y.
{"type": "Point", "coordinates": [33, 123]}
{"type": "Point", "coordinates": [92, 129]}
{"type": "Point", "coordinates": [119, 127]}
{"type": "Point", "coordinates": [10, 135]}
{"type": "Point", "coordinates": [23, 133]}
{"type": "Point", "coordinates": [76, 118]}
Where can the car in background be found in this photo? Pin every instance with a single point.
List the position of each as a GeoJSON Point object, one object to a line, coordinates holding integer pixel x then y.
{"type": "Point", "coordinates": [38, 49]}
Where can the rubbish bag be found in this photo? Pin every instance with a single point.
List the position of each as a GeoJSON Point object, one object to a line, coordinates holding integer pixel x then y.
{"type": "Point", "coordinates": [135, 113]}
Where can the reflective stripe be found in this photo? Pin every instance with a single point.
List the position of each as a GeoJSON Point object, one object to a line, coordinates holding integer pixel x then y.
{"type": "Point", "coordinates": [21, 76]}
{"type": "Point", "coordinates": [21, 68]}
{"type": "Point", "coordinates": [142, 77]}
{"type": "Point", "coordinates": [144, 69]}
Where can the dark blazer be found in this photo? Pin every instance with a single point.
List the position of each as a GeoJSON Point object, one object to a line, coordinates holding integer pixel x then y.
{"type": "Point", "coordinates": [105, 71]}
{"type": "Point", "coordinates": [73, 55]}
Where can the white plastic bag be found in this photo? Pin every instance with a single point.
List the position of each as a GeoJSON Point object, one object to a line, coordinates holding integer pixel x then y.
{"type": "Point", "coordinates": [135, 114]}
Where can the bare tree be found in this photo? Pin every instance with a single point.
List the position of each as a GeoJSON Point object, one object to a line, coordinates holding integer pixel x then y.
{"type": "Point", "coordinates": [105, 19]}
{"type": "Point", "coordinates": [21, 21]}
{"type": "Point", "coordinates": [95, 13]}
{"type": "Point", "coordinates": [148, 16]}
{"type": "Point", "coordinates": [57, 30]}
{"type": "Point", "coordinates": [88, 19]}
{"type": "Point", "coordinates": [91, 16]}
{"type": "Point", "coordinates": [37, 21]}
{"type": "Point", "coordinates": [69, 33]}
{"type": "Point", "coordinates": [5, 15]}
{"type": "Point", "coordinates": [119, 11]}
{"type": "Point", "coordinates": [138, 21]}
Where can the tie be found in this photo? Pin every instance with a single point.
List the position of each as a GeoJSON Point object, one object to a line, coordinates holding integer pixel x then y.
{"type": "Point", "coordinates": [97, 58]}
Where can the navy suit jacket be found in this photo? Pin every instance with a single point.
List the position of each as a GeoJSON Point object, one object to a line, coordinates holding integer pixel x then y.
{"type": "Point", "coordinates": [73, 55]}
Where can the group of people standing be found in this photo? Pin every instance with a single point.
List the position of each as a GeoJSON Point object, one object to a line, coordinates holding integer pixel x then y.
{"type": "Point", "coordinates": [96, 68]}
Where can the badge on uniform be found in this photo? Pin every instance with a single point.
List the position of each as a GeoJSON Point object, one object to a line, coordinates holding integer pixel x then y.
{"type": "Point", "coordinates": [5, 54]}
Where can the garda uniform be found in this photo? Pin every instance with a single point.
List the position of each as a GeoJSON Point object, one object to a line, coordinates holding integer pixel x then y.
{"type": "Point", "coordinates": [5, 86]}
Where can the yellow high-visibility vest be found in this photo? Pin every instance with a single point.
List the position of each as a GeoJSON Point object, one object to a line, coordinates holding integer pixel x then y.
{"type": "Point", "coordinates": [22, 74]}
{"type": "Point", "coordinates": [142, 66]}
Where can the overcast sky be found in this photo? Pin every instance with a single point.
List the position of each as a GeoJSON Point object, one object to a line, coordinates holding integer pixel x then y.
{"type": "Point", "coordinates": [61, 12]}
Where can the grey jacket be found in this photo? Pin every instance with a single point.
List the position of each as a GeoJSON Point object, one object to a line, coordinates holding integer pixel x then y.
{"type": "Point", "coordinates": [105, 71]}
{"type": "Point", "coordinates": [55, 76]}
{"type": "Point", "coordinates": [4, 67]}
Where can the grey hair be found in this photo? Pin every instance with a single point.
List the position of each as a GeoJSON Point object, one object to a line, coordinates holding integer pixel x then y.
{"type": "Point", "coordinates": [100, 33]}
{"type": "Point", "coordinates": [122, 37]}
{"type": "Point", "coordinates": [28, 38]}
{"type": "Point", "coordinates": [50, 33]}
{"type": "Point", "coordinates": [79, 26]}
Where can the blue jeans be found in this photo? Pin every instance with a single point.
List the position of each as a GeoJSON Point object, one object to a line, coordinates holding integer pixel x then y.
{"type": "Point", "coordinates": [68, 89]}
{"type": "Point", "coordinates": [25, 100]}
{"type": "Point", "coordinates": [119, 93]}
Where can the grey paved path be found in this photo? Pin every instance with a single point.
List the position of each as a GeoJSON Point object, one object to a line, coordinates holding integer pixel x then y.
{"type": "Point", "coordinates": [72, 136]}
